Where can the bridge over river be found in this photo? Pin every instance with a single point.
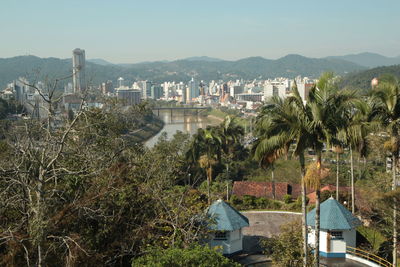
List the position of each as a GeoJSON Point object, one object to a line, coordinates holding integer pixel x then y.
{"type": "Point", "coordinates": [184, 109]}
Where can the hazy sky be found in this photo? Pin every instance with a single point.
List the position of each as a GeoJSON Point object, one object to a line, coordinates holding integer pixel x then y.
{"type": "Point", "coordinates": [133, 31]}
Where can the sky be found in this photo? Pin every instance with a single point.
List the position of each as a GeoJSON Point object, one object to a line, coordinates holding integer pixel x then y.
{"type": "Point", "coordinates": [123, 31]}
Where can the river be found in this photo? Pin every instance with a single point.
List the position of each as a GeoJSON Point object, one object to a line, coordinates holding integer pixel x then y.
{"type": "Point", "coordinates": [179, 122]}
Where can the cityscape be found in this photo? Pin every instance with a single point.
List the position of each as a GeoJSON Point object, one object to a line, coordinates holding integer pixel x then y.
{"type": "Point", "coordinates": [240, 94]}
{"type": "Point", "coordinates": [212, 133]}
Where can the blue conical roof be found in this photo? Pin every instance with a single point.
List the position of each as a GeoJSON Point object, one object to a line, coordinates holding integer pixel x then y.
{"type": "Point", "coordinates": [334, 216]}
{"type": "Point", "coordinates": [225, 218]}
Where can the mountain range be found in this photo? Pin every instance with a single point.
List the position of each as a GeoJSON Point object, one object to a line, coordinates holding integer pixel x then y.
{"type": "Point", "coordinates": [369, 60]}
{"type": "Point", "coordinates": [202, 68]}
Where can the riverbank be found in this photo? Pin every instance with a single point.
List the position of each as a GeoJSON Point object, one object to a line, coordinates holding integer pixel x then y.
{"type": "Point", "coordinates": [148, 131]}
{"type": "Point", "coordinates": [213, 117]}
{"type": "Point", "coordinates": [220, 115]}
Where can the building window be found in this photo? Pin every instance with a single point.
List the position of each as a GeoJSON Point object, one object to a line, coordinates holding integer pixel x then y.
{"type": "Point", "coordinates": [220, 235]}
{"type": "Point", "coordinates": [336, 234]}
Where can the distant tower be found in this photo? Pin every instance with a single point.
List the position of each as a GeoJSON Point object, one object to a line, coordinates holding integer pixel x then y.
{"type": "Point", "coordinates": [193, 90]}
{"type": "Point", "coordinates": [78, 70]}
{"type": "Point", "coordinates": [120, 82]}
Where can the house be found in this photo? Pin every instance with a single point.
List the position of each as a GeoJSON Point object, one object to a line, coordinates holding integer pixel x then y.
{"type": "Point", "coordinates": [331, 188]}
{"type": "Point", "coordinates": [226, 225]}
{"type": "Point", "coordinates": [264, 189]}
{"type": "Point", "coordinates": [337, 229]}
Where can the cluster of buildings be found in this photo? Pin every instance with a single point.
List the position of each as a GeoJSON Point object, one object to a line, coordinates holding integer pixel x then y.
{"type": "Point", "coordinates": [239, 94]}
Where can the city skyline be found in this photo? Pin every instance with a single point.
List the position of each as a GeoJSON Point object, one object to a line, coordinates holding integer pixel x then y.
{"type": "Point", "coordinates": [132, 31]}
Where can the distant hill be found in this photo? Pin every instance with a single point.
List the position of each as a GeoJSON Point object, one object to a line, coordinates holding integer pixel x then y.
{"type": "Point", "coordinates": [100, 61]}
{"type": "Point", "coordinates": [202, 68]}
{"type": "Point", "coordinates": [362, 80]}
{"type": "Point", "coordinates": [203, 58]}
{"type": "Point", "coordinates": [370, 60]}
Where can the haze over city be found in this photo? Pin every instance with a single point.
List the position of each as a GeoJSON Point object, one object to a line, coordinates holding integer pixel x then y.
{"type": "Point", "coordinates": [136, 31]}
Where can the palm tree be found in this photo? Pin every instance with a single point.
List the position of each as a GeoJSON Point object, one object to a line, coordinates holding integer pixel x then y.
{"type": "Point", "coordinates": [204, 149]}
{"type": "Point", "coordinates": [338, 149]}
{"type": "Point", "coordinates": [307, 125]}
{"type": "Point", "coordinates": [354, 135]}
{"type": "Point", "coordinates": [386, 110]}
{"type": "Point", "coordinates": [231, 133]}
{"type": "Point", "coordinates": [206, 163]}
{"type": "Point", "coordinates": [324, 112]}
{"type": "Point", "coordinates": [281, 122]}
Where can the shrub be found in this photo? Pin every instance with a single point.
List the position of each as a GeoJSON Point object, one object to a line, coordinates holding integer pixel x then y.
{"type": "Point", "coordinates": [286, 249]}
{"type": "Point", "coordinates": [203, 256]}
{"type": "Point", "coordinates": [235, 200]}
{"type": "Point", "coordinates": [261, 203]}
{"type": "Point", "coordinates": [248, 201]}
{"type": "Point", "coordinates": [275, 205]}
{"type": "Point", "coordinates": [298, 200]}
{"type": "Point", "coordinates": [287, 199]}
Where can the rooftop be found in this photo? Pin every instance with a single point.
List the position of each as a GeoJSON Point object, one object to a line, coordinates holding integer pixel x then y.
{"type": "Point", "coordinates": [225, 217]}
{"type": "Point", "coordinates": [334, 216]}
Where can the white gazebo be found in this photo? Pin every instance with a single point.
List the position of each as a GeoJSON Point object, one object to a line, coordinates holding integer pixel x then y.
{"type": "Point", "coordinates": [337, 229]}
{"type": "Point", "coordinates": [226, 225]}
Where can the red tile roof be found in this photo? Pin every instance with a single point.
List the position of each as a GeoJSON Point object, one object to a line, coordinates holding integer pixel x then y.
{"type": "Point", "coordinates": [260, 189]}
{"type": "Point", "coordinates": [312, 196]}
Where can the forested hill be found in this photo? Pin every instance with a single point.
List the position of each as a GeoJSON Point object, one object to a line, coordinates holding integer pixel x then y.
{"type": "Point", "coordinates": [362, 80]}
{"type": "Point", "coordinates": [179, 70]}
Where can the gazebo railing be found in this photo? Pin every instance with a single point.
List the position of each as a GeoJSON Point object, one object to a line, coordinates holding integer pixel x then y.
{"type": "Point", "coordinates": [368, 256]}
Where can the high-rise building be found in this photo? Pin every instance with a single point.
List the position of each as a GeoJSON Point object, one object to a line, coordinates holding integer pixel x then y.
{"type": "Point", "coordinates": [120, 82]}
{"type": "Point", "coordinates": [128, 96]}
{"type": "Point", "coordinates": [193, 90]}
{"type": "Point", "coordinates": [184, 94]}
{"type": "Point", "coordinates": [277, 87]}
{"type": "Point", "coordinates": [166, 90]}
{"type": "Point", "coordinates": [156, 92]}
{"type": "Point", "coordinates": [78, 70]}
{"type": "Point", "coordinates": [224, 92]}
{"type": "Point", "coordinates": [145, 87]}
{"type": "Point", "coordinates": [107, 87]}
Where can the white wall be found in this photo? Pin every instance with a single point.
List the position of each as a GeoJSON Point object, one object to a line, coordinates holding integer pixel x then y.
{"type": "Point", "coordinates": [233, 243]}
{"type": "Point", "coordinates": [336, 245]}
{"type": "Point", "coordinates": [323, 244]}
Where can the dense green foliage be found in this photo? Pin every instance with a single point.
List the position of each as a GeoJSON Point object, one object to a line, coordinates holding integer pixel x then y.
{"type": "Point", "coordinates": [87, 192]}
{"type": "Point", "coordinates": [286, 249]}
{"type": "Point", "coordinates": [191, 257]}
{"type": "Point", "coordinates": [92, 197]}
{"type": "Point", "coordinates": [362, 80]}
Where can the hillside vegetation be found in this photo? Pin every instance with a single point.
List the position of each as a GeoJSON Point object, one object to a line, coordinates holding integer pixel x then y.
{"type": "Point", "coordinates": [290, 66]}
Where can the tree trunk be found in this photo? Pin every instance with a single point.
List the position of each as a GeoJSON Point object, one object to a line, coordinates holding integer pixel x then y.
{"type": "Point", "coordinates": [394, 185]}
{"type": "Point", "coordinates": [304, 209]}
{"type": "Point", "coordinates": [317, 211]}
{"type": "Point", "coordinates": [273, 182]}
{"type": "Point", "coordinates": [352, 181]}
{"type": "Point", "coordinates": [337, 176]}
{"type": "Point", "coordinates": [317, 225]}
{"type": "Point", "coordinates": [209, 175]}
{"type": "Point", "coordinates": [227, 191]}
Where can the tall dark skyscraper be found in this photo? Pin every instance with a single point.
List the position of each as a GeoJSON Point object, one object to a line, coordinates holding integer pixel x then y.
{"type": "Point", "coordinates": [78, 70]}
